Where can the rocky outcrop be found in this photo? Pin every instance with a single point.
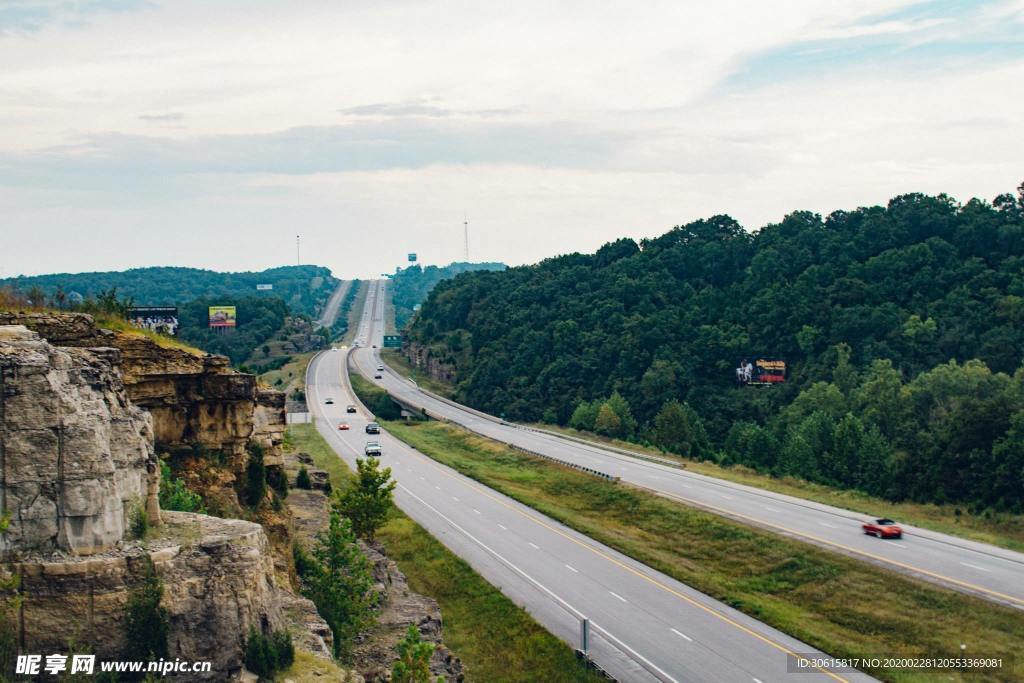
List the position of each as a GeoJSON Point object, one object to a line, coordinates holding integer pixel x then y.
{"type": "Point", "coordinates": [75, 454]}
{"type": "Point", "coordinates": [217, 581]}
{"type": "Point", "coordinates": [77, 460]}
{"type": "Point", "coordinates": [423, 359]}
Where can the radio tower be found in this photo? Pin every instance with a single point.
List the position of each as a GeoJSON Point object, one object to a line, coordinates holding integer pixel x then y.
{"type": "Point", "coordinates": [465, 234]}
{"type": "Point", "coordinates": [298, 254]}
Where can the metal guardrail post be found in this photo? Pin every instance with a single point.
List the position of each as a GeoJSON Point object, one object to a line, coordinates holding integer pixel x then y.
{"type": "Point", "coordinates": [585, 635]}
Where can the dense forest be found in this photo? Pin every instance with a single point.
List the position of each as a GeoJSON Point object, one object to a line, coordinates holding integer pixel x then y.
{"type": "Point", "coordinates": [412, 285]}
{"type": "Point", "coordinates": [902, 327]}
{"type": "Point", "coordinates": [303, 288]}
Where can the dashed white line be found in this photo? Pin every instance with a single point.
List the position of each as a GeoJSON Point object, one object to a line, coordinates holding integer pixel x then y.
{"type": "Point", "coordinates": [757, 680]}
{"type": "Point", "coordinates": [437, 487]}
{"type": "Point", "coordinates": [503, 527]}
{"type": "Point", "coordinates": [476, 511]}
{"type": "Point", "coordinates": [726, 496]}
{"type": "Point", "coordinates": [534, 545]}
{"type": "Point", "coordinates": [423, 478]}
{"type": "Point", "coordinates": [974, 566]}
{"type": "Point", "coordinates": [616, 595]}
{"type": "Point", "coordinates": [455, 499]}
{"type": "Point", "coordinates": [771, 509]}
{"type": "Point", "coordinates": [682, 635]}
{"type": "Point", "coordinates": [572, 569]}
{"type": "Point", "coordinates": [830, 526]}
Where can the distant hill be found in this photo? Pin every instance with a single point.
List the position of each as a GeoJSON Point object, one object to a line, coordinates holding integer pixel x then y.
{"type": "Point", "coordinates": [411, 285]}
{"type": "Point", "coordinates": [902, 327]}
{"type": "Point", "coordinates": [302, 288]}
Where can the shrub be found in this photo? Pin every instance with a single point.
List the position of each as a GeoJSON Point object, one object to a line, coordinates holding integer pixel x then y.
{"type": "Point", "coordinates": [255, 475]}
{"type": "Point", "coordinates": [174, 495]}
{"type": "Point", "coordinates": [146, 622]}
{"type": "Point", "coordinates": [302, 479]}
{"type": "Point", "coordinates": [266, 655]}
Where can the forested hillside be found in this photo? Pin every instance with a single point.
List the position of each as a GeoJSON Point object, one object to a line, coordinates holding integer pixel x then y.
{"type": "Point", "coordinates": [901, 325]}
{"type": "Point", "coordinates": [411, 285]}
{"type": "Point", "coordinates": [303, 288]}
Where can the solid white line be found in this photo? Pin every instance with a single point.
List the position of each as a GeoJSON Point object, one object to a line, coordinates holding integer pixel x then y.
{"type": "Point", "coordinates": [682, 635]}
{"type": "Point", "coordinates": [614, 594]}
{"type": "Point", "coordinates": [974, 566]}
{"type": "Point", "coordinates": [535, 546]}
{"type": "Point", "coordinates": [570, 567]}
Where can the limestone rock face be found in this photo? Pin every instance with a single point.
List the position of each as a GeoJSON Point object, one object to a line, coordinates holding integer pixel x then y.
{"type": "Point", "coordinates": [217, 578]}
{"type": "Point", "coordinates": [75, 452]}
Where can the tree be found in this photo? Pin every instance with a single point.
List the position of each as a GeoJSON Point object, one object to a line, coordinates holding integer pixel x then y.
{"type": "Point", "coordinates": [413, 664]}
{"type": "Point", "coordinates": [625, 414]}
{"type": "Point", "coordinates": [584, 416]}
{"type": "Point", "coordinates": [146, 622]}
{"type": "Point", "coordinates": [367, 500]}
{"type": "Point", "coordinates": [255, 475]}
{"type": "Point", "coordinates": [302, 480]}
{"type": "Point", "coordinates": [266, 655]}
{"type": "Point", "coordinates": [679, 429]}
{"type": "Point", "coordinates": [337, 579]}
{"type": "Point", "coordinates": [607, 421]}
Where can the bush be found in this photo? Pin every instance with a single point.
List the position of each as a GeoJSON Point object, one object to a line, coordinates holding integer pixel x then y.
{"type": "Point", "coordinates": [174, 495]}
{"type": "Point", "coordinates": [255, 475]}
{"type": "Point", "coordinates": [146, 622]}
{"type": "Point", "coordinates": [413, 665]}
{"type": "Point", "coordinates": [139, 524]}
{"type": "Point", "coordinates": [302, 479]}
{"type": "Point", "coordinates": [266, 655]}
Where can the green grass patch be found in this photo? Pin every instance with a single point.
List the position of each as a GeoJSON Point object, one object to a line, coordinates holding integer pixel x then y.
{"type": "Point", "coordinates": [843, 606]}
{"type": "Point", "coordinates": [1001, 529]}
{"type": "Point", "coordinates": [496, 640]}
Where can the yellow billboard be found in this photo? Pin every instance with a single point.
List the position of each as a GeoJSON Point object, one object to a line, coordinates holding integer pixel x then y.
{"type": "Point", "coordinates": [222, 316]}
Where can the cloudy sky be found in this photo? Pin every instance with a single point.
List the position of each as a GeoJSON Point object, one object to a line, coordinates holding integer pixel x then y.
{"type": "Point", "coordinates": [209, 133]}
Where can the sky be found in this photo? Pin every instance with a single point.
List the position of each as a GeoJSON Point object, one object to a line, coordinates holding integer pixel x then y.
{"type": "Point", "coordinates": [209, 133]}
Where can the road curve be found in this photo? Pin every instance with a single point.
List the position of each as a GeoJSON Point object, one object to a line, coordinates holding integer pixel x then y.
{"type": "Point", "coordinates": [330, 312]}
{"type": "Point", "coordinates": [645, 625]}
{"type": "Point", "coordinates": [976, 568]}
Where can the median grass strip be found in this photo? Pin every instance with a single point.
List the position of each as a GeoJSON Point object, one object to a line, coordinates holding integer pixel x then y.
{"type": "Point", "coordinates": [497, 640]}
{"type": "Point", "coordinates": [842, 606]}
{"type": "Point", "coordinates": [996, 528]}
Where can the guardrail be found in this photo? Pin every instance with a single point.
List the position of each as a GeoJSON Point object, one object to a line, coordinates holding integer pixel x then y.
{"type": "Point", "coordinates": [566, 463]}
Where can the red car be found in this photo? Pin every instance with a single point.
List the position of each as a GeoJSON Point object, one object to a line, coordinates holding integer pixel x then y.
{"type": "Point", "coordinates": [882, 528]}
{"type": "Point", "coordinates": [343, 425]}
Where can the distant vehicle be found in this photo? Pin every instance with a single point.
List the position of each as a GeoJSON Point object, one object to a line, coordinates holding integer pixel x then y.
{"type": "Point", "coordinates": [374, 346]}
{"type": "Point", "coordinates": [372, 428]}
{"type": "Point", "coordinates": [329, 401]}
{"type": "Point", "coordinates": [350, 408]}
{"type": "Point", "coordinates": [334, 348]}
{"type": "Point", "coordinates": [882, 528]}
{"type": "Point", "coordinates": [372, 449]}
{"type": "Point", "coordinates": [378, 376]}
{"type": "Point", "coordinates": [344, 426]}
{"type": "Point", "coordinates": [380, 368]}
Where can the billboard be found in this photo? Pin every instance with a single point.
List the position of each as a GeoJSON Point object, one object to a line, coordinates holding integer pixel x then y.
{"type": "Point", "coordinates": [264, 288]}
{"type": "Point", "coordinates": [222, 316]}
{"type": "Point", "coordinates": [760, 370]}
{"type": "Point", "coordinates": [412, 257]}
{"type": "Point", "coordinates": [162, 319]}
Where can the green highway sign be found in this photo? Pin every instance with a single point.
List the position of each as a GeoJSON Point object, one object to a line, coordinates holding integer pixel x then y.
{"type": "Point", "coordinates": [392, 341]}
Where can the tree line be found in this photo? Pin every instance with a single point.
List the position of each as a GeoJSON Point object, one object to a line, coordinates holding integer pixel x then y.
{"type": "Point", "coordinates": [410, 286]}
{"type": "Point", "coordinates": [900, 325]}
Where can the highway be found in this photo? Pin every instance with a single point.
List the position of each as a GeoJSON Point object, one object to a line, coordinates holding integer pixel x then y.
{"type": "Point", "coordinates": [644, 625]}
{"type": "Point", "coordinates": [330, 312]}
{"type": "Point", "coordinates": [983, 570]}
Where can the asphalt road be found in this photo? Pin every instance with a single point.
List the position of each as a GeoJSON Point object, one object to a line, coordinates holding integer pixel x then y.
{"type": "Point", "coordinates": [645, 625]}
{"type": "Point", "coordinates": [330, 313]}
{"type": "Point", "coordinates": [983, 570]}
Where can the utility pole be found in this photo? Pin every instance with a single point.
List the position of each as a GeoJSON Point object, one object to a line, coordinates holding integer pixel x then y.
{"type": "Point", "coordinates": [298, 254]}
{"type": "Point", "coordinates": [465, 234]}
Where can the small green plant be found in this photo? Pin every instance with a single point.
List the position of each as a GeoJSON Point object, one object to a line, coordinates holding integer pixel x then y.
{"type": "Point", "coordinates": [267, 654]}
{"type": "Point", "coordinates": [413, 664]}
{"type": "Point", "coordinates": [174, 495]}
{"type": "Point", "coordinates": [139, 523]}
{"type": "Point", "coordinates": [146, 622]}
{"type": "Point", "coordinates": [302, 479]}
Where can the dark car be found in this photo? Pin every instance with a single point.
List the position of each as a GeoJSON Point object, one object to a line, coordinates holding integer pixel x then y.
{"type": "Point", "coordinates": [329, 401]}
{"type": "Point", "coordinates": [378, 376]}
{"type": "Point", "coordinates": [882, 528]}
{"type": "Point", "coordinates": [372, 428]}
{"type": "Point", "coordinates": [350, 408]}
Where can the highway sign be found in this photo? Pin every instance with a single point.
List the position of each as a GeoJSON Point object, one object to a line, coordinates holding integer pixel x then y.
{"type": "Point", "coordinates": [392, 341]}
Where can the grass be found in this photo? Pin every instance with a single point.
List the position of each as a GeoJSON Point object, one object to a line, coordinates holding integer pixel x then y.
{"type": "Point", "coordinates": [396, 360]}
{"type": "Point", "coordinates": [292, 374]}
{"type": "Point", "coordinates": [843, 606]}
{"type": "Point", "coordinates": [496, 640]}
{"type": "Point", "coordinates": [1001, 529]}
{"type": "Point", "coordinates": [162, 340]}
{"type": "Point", "coordinates": [308, 668]}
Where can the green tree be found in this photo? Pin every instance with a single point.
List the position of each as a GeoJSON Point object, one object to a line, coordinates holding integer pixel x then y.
{"type": "Point", "coordinates": [608, 421]}
{"type": "Point", "coordinates": [679, 429]}
{"type": "Point", "coordinates": [625, 414]}
{"type": "Point", "coordinates": [337, 579]}
{"type": "Point", "coordinates": [146, 622]}
{"type": "Point", "coordinates": [302, 480]}
{"type": "Point", "coordinates": [584, 416]}
{"type": "Point", "coordinates": [367, 499]}
{"type": "Point", "coordinates": [413, 664]}
{"type": "Point", "coordinates": [255, 475]}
